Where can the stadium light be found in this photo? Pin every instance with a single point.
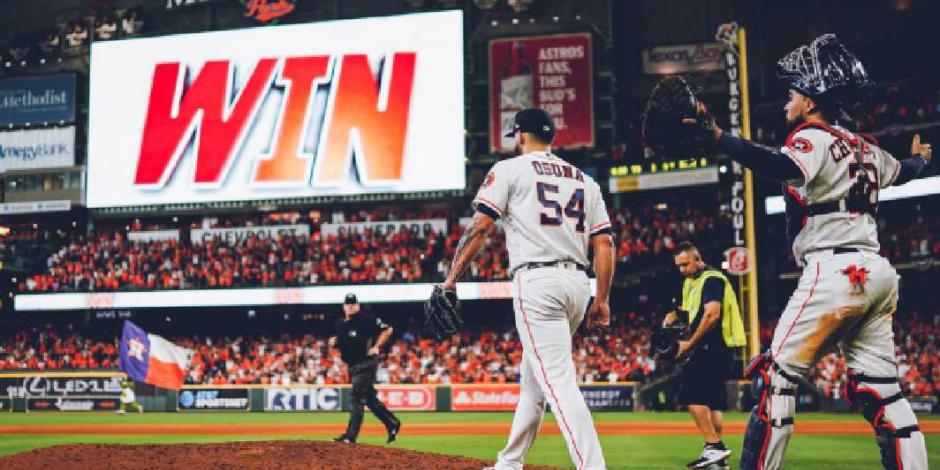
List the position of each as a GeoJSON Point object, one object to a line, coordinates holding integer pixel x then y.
{"type": "Point", "coordinates": [519, 5]}
{"type": "Point", "coordinates": [485, 4]}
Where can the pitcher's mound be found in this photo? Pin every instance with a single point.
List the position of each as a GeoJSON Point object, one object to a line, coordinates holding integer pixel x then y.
{"type": "Point", "coordinates": [263, 455]}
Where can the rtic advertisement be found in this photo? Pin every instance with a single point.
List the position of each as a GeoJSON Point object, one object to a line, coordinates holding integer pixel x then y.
{"type": "Point", "coordinates": [407, 397]}
{"type": "Point", "coordinates": [302, 399]}
{"type": "Point", "coordinates": [550, 72]}
{"type": "Point", "coordinates": [39, 386]}
{"type": "Point", "coordinates": [213, 399]}
{"type": "Point", "coordinates": [264, 113]}
{"type": "Point", "coordinates": [73, 404]}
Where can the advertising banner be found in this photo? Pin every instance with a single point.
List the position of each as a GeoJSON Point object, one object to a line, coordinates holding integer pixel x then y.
{"type": "Point", "coordinates": [420, 227]}
{"type": "Point", "coordinates": [153, 235]}
{"type": "Point", "coordinates": [53, 147]}
{"type": "Point", "coordinates": [56, 386]}
{"type": "Point", "coordinates": [233, 235]}
{"type": "Point", "coordinates": [73, 404]}
{"type": "Point", "coordinates": [37, 99]}
{"type": "Point", "coordinates": [554, 73]}
{"type": "Point", "coordinates": [608, 397]}
{"type": "Point", "coordinates": [923, 404]}
{"type": "Point", "coordinates": [683, 58]}
{"type": "Point", "coordinates": [63, 205]}
{"type": "Point", "coordinates": [302, 399]}
{"type": "Point", "coordinates": [311, 295]}
{"type": "Point", "coordinates": [408, 397]}
{"type": "Point", "coordinates": [181, 4]}
{"type": "Point", "coordinates": [227, 399]}
{"type": "Point", "coordinates": [484, 397]}
{"type": "Point", "coordinates": [302, 110]}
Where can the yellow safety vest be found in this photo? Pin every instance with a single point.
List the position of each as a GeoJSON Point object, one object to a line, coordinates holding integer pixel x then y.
{"type": "Point", "coordinates": [732, 325]}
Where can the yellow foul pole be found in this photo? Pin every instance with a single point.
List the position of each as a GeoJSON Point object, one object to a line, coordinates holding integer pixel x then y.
{"type": "Point", "coordinates": [751, 239]}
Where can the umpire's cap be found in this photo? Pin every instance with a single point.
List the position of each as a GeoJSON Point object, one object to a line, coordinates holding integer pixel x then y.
{"type": "Point", "coordinates": [535, 121]}
{"type": "Point", "coordinates": [351, 299]}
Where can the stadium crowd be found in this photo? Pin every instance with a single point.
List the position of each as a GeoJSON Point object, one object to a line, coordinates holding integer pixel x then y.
{"type": "Point", "coordinates": [479, 356]}
{"type": "Point", "coordinates": [107, 260]}
{"type": "Point", "coordinates": [482, 356]}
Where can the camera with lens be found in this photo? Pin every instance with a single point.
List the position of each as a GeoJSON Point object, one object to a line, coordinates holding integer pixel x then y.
{"type": "Point", "coordinates": [665, 340]}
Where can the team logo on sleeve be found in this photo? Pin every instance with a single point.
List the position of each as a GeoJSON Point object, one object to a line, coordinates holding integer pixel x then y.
{"type": "Point", "coordinates": [801, 144]}
{"type": "Point", "coordinates": [488, 180]}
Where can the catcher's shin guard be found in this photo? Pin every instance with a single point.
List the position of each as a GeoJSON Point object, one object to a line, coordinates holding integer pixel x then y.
{"type": "Point", "coordinates": [884, 406]}
{"type": "Point", "coordinates": [771, 422]}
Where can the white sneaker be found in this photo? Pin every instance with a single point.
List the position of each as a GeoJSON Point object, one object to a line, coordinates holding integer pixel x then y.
{"type": "Point", "coordinates": [709, 457]}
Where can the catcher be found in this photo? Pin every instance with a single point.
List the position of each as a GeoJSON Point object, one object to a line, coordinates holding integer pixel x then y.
{"type": "Point", "coordinates": [848, 293]}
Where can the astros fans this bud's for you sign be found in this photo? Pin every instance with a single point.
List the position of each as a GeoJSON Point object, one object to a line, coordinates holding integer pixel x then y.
{"type": "Point", "coordinates": [344, 107]}
{"type": "Point", "coordinates": [549, 72]}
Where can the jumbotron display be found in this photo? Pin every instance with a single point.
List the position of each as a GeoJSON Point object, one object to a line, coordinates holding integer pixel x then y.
{"type": "Point", "coordinates": [303, 110]}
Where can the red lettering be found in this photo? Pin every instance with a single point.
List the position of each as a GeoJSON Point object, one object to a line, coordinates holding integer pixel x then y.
{"type": "Point", "coordinates": [204, 109]}
{"type": "Point", "coordinates": [287, 164]}
{"type": "Point", "coordinates": [364, 124]}
{"type": "Point", "coordinates": [566, 170]}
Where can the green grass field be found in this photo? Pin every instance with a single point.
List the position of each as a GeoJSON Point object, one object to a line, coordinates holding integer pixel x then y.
{"type": "Point", "coordinates": [809, 452]}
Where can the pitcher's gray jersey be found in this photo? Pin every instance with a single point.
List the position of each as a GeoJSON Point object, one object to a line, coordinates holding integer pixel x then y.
{"type": "Point", "coordinates": [548, 208]}
{"type": "Point", "coordinates": [826, 156]}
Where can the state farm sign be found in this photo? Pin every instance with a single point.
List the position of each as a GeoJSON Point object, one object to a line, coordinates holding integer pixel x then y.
{"type": "Point", "coordinates": [484, 397]}
{"type": "Point", "coordinates": [292, 111]}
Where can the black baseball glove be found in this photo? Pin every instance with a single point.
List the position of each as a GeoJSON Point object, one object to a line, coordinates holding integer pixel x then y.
{"type": "Point", "coordinates": [442, 313]}
{"type": "Point", "coordinates": [671, 101]}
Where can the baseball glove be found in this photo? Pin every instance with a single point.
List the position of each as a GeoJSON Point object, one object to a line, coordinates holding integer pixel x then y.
{"type": "Point", "coordinates": [442, 313]}
{"type": "Point", "coordinates": [671, 101]}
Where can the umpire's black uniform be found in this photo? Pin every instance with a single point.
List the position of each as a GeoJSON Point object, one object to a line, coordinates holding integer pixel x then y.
{"type": "Point", "coordinates": [356, 333]}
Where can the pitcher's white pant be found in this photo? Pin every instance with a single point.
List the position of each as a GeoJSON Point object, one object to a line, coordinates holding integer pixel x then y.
{"type": "Point", "coordinates": [549, 305]}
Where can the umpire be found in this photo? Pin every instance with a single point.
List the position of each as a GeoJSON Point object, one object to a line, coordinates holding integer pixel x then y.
{"type": "Point", "coordinates": [717, 329]}
{"type": "Point", "coordinates": [360, 338]}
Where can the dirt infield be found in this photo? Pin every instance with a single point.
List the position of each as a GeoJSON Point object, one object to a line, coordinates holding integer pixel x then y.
{"type": "Point", "coordinates": [841, 428]}
{"type": "Point", "coordinates": [261, 455]}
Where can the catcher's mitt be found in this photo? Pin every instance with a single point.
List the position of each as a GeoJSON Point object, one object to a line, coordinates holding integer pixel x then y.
{"type": "Point", "coordinates": [671, 101]}
{"type": "Point", "coordinates": [442, 313]}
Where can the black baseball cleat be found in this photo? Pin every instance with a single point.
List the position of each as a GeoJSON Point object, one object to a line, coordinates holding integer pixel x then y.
{"type": "Point", "coordinates": [345, 439]}
{"type": "Point", "coordinates": [393, 432]}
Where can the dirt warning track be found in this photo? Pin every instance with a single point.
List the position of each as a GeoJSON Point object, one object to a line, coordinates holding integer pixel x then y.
{"type": "Point", "coordinates": [843, 428]}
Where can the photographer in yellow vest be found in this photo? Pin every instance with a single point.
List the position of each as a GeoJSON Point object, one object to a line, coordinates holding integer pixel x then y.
{"type": "Point", "coordinates": [716, 327]}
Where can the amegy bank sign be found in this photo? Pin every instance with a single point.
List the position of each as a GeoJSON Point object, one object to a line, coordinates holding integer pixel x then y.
{"type": "Point", "coordinates": [267, 113]}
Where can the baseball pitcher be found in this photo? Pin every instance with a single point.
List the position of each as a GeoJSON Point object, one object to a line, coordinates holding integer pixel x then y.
{"type": "Point", "coordinates": [847, 293]}
{"type": "Point", "coordinates": [552, 214]}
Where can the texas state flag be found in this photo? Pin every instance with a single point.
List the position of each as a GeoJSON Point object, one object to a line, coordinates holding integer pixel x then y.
{"type": "Point", "coordinates": [152, 359]}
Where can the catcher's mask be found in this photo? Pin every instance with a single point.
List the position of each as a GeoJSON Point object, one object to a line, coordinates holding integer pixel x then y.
{"type": "Point", "coordinates": [825, 67]}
